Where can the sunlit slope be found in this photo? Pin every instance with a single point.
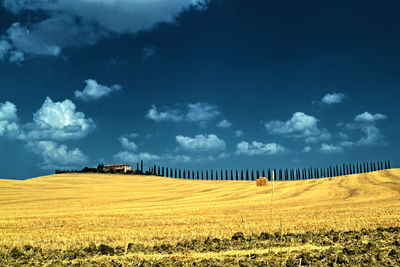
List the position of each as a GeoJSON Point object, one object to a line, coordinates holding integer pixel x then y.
{"type": "Point", "coordinates": [69, 210]}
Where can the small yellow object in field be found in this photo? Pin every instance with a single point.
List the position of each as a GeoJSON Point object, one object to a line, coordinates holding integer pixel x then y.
{"type": "Point", "coordinates": [262, 181]}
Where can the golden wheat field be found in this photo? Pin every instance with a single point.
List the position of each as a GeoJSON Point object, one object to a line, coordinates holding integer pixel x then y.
{"type": "Point", "coordinates": [72, 210]}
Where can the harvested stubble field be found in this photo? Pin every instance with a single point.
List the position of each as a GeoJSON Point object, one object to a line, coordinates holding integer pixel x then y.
{"type": "Point", "coordinates": [116, 219]}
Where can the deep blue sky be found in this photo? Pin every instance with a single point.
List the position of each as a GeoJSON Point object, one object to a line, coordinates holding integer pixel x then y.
{"type": "Point", "coordinates": [226, 84]}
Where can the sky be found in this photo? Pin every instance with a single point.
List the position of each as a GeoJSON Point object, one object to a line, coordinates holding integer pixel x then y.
{"type": "Point", "coordinates": [218, 84]}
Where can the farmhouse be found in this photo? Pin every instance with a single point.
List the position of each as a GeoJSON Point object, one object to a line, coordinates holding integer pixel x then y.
{"type": "Point", "coordinates": [118, 167]}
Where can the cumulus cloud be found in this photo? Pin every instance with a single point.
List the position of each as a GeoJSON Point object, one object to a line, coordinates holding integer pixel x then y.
{"type": "Point", "coordinates": [201, 112]}
{"type": "Point", "coordinates": [83, 22]}
{"type": "Point", "coordinates": [55, 156]}
{"type": "Point", "coordinates": [4, 48]}
{"type": "Point", "coordinates": [9, 120]}
{"type": "Point", "coordinates": [59, 121]}
{"type": "Point", "coordinates": [167, 115]}
{"type": "Point", "coordinates": [372, 135]}
{"type": "Point", "coordinates": [307, 149]}
{"type": "Point", "coordinates": [368, 117]}
{"type": "Point", "coordinates": [195, 112]}
{"type": "Point", "coordinates": [29, 42]}
{"type": "Point", "coordinates": [201, 142]}
{"type": "Point", "coordinates": [329, 148]}
{"type": "Point", "coordinates": [16, 57]}
{"type": "Point", "coordinates": [333, 98]}
{"type": "Point", "coordinates": [94, 91]}
{"type": "Point", "coordinates": [300, 125]}
{"type": "Point", "coordinates": [258, 148]}
{"type": "Point", "coordinates": [366, 123]}
{"type": "Point", "coordinates": [127, 144]}
{"type": "Point", "coordinates": [224, 124]}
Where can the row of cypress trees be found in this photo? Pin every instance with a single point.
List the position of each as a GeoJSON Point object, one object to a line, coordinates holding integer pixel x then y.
{"type": "Point", "coordinates": [280, 174]}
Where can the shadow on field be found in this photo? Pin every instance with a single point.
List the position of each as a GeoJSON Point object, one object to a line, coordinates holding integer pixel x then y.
{"type": "Point", "coordinates": [379, 247]}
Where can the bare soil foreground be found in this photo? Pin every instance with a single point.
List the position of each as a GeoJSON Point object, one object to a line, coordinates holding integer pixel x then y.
{"type": "Point", "coordinates": [94, 219]}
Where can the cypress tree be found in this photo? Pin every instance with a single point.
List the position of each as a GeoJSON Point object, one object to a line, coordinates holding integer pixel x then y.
{"type": "Point", "coordinates": [237, 175]}
{"type": "Point", "coordinates": [154, 169]}
{"type": "Point", "coordinates": [141, 166]}
{"type": "Point", "coordinates": [231, 174]}
{"type": "Point", "coordinates": [286, 174]}
{"type": "Point", "coordinates": [226, 175]}
{"type": "Point", "coordinates": [212, 174]}
{"type": "Point", "coordinates": [216, 175]}
{"type": "Point", "coordinates": [197, 177]}
{"type": "Point", "coordinates": [389, 164]}
{"type": "Point", "coordinates": [269, 174]}
{"type": "Point", "coordinates": [381, 165]}
{"type": "Point", "coordinates": [247, 175]}
{"type": "Point", "coordinates": [263, 173]}
{"type": "Point", "coordinates": [180, 174]}
{"type": "Point", "coordinates": [222, 176]}
{"type": "Point", "coordinates": [386, 166]}
{"type": "Point", "coordinates": [202, 175]}
{"type": "Point", "coordinates": [252, 175]}
{"type": "Point", "coordinates": [258, 174]}
{"type": "Point", "coordinates": [206, 174]}
{"type": "Point", "coordinates": [176, 173]}
{"type": "Point", "coordinates": [242, 177]}
{"type": "Point", "coordinates": [137, 166]}
{"type": "Point", "coordinates": [371, 167]}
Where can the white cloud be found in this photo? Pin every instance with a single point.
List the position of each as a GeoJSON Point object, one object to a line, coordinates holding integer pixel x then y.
{"type": "Point", "coordinates": [201, 142]}
{"type": "Point", "coordinates": [8, 111]}
{"type": "Point", "coordinates": [56, 156]}
{"type": "Point", "coordinates": [371, 136]}
{"type": "Point", "coordinates": [127, 144]}
{"type": "Point", "coordinates": [59, 121]}
{"type": "Point", "coordinates": [94, 91]}
{"type": "Point", "coordinates": [239, 133]}
{"type": "Point", "coordinates": [84, 22]}
{"type": "Point", "coordinates": [258, 148]}
{"type": "Point", "coordinates": [329, 148]}
{"type": "Point", "coordinates": [346, 143]}
{"type": "Point", "coordinates": [307, 149]}
{"type": "Point", "coordinates": [224, 124]}
{"type": "Point", "coordinates": [368, 117]}
{"type": "Point", "coordinates": [16, 56]}
{"type": "Point", "coordinates": [333, 98]}
{"type": "Point", "coordinates": [178, 158]}
{"type": "Point", "coordinates": [201, 112]}
{"type": "Point", "coordinates": [9, 120]}
{"type": "Point", "coordinates": [167, 115]}
{"type": "Point", "coordinates": [300, 125]}
{"type": "Point", "coordinates": [366, 123]}
{"type": "Point", "coordinates": [4, 48]}
{"type": "Point", "coordinates": [197, 112]}
{"type": "Point", "coordinates": [29, 42]}
{"type": "Point", "coordinates": [130, 157]}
